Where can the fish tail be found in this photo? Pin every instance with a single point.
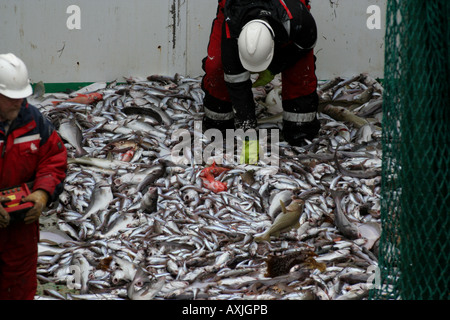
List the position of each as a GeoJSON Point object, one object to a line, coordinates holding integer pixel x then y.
{"type": "Point", "coordinates": [80, 153]}
{"type": "Point", "coordinates": [264, 237]}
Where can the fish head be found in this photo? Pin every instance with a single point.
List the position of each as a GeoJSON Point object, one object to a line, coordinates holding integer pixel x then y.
{"type": "Point", "coordinates": [99, 96]}
{"type": "Point", "coordinates": [117, 276]}
{"type": "Point", "coordinates": [296, 205]}
{"type": "Point", "coordinates": [353, 233]}
{"type": "Point", "coordinates": [152, 191]}
{"type": "Point", "coordinates": [144, 286]}
{"type": "Point", "coordinates": [190, 195]}
{"type": "Point", "coordinates": [122, 145]}
{"type": "Point", "coordinates": [91, 97]}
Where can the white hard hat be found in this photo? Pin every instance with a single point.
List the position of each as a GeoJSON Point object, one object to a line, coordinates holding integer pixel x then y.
{"type": "Point", "coordinates": [14, 82]}
{"type": "Point", "coordinates": [256, 45]}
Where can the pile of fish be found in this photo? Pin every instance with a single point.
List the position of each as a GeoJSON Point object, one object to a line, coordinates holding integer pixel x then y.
{"type": "Point", "coordinates": [134, 224]}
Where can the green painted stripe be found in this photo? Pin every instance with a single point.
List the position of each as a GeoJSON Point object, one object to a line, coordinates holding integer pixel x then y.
{"type": "Point", "coordinates": [64, 87]}
{"type": "Point", "coordinates": [75, 86]}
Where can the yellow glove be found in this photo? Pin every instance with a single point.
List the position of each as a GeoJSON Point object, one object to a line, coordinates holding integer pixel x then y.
{"type": "Point", "coordinates": [4, 216]}
{"type": "Point", "coordinates": [250, 152]}
{"type": "Point", "coordinates": [39, 198]}
{"type": "Point", "coordinates": [264, 78]}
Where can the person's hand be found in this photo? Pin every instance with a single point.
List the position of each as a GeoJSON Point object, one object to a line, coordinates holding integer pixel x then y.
{"type": "Point", "coordinates": [4, 216]}
{"type": "Point", "coordinates": [264, 78]}
{"type": "Point", "coordinates": [39, 198]}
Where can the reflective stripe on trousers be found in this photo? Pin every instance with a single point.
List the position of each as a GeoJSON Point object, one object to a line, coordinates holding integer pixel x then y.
{"type": "Point", "coordinates": [237, 78]}
{"type": "Point", "coordinates": [299, 117]}
{"type": "Point", "coordinates": [218, 116]}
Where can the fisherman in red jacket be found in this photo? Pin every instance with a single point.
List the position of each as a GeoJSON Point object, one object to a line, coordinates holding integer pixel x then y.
{"type": "Point", "coordinates": [266, 37]}
{"type": "Point", "coordinates": [30, 152]}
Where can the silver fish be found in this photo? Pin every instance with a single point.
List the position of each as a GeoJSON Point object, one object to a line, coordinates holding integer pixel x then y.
{"type": "Point", "coordinates": [142, 288]}
{"type": "Point", "coordinates": [150, 200]}
{"type": "Point", "coordinates": [84, 269]}
{"type": "Point", "coordinates": [371, 231]}
{"type": "Point", "coordinates": [118, 225]}
{"type": "Point", "coordinates": [55, 237]}
{"type": "Point", "coordinates": [101, 163]}
{"type": "Point", "coordinates": [356, 173]}
{"type": "Point", "coordinates": [101, 198]}
{"type": "Point", "coordinates": [152, 175]}
{"type": "Point", "coordinates": [38, 94]}
{"type": "Point", "coordinates": [284, 197]}
{"type": "Point", "coordinates": [94, 87]}
{"type": "Point", "coordinates": [127, 268]}
{"type": "Point", "coordinates": [70, 131]}
{"type": "Point", "coordinates": [347, 228]}
{"type": "Point", "coordinates": [364, 134]}
{"type": "Point", "coordinates": [202, 243]}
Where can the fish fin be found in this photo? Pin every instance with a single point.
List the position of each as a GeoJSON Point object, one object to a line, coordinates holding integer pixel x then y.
{"type": "Point", "coordinates": [311, 263]}
{"type": "Point", "coordinates": [109, 156]}
{"type": "Point", "coordinates": [283, 207]}
{"type": "Point", "coordinates": [338, 193]}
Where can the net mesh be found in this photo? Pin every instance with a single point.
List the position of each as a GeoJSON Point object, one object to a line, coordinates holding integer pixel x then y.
{"type": "Point", "coordinates": [414, 259]}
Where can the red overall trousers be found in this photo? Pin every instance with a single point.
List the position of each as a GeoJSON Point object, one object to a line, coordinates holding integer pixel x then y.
{"type": "Point", "coordinates": [18, 261]}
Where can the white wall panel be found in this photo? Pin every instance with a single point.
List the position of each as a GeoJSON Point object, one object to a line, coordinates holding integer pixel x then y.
{"type": "Point", "coordinates": [346, 46]}
{"type": "Point", "coordinates": [142, 37]}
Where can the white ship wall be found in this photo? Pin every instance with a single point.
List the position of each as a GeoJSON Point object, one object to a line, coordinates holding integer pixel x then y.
{"type": "Point", "coordinates": [65, 41]}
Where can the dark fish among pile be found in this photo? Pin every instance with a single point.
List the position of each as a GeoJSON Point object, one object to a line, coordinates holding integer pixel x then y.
{"type": "Point", "coordinates": [138, 225]}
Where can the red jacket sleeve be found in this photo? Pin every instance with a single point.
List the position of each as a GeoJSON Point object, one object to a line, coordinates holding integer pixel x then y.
{"type": "Point", "coordinates": [52, 166]}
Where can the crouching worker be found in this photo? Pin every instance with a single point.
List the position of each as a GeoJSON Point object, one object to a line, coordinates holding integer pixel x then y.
{"type": "Point", "coordinates": [266, 37]}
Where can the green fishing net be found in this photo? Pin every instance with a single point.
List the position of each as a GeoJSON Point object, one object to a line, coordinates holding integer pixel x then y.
{"type": "Point", "coordinates": [414, 254]}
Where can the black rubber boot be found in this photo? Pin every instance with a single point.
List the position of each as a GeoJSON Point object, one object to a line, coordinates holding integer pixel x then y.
{"type": "Point", "coordinates": [295, 133]}
{"type": "Point", "coordinates": [221, 125]}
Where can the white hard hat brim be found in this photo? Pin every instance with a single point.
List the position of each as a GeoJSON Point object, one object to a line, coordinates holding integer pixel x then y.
{"type": "Point", "coordinates": [17, 94]}
{"type": "Point", "coordinates": [256, 68]}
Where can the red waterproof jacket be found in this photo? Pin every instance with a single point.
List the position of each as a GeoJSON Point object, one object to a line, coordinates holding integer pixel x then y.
{"type": "Point", "coordinates": [32, 151]}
